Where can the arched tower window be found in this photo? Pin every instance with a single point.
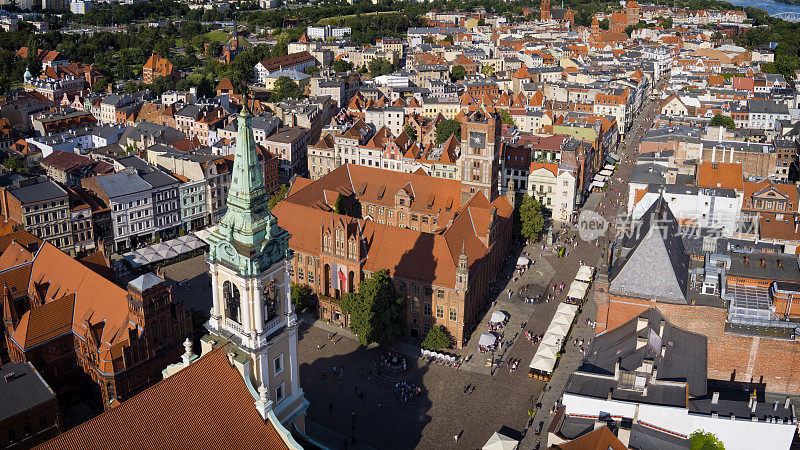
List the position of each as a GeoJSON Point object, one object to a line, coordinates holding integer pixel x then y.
{"type": "Point", "coordinates": [270, 295]}
{"type": "Point", "coordinates": [232, 300]}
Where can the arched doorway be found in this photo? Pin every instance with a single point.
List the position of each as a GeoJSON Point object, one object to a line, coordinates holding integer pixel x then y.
{"type": "Point", "coordinates": [232, 301]}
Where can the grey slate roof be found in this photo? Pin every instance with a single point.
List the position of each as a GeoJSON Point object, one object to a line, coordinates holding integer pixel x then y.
{"type": "Point", "coordinates": [684, 360]}
{"type": "Point", "coordinates": [650, 261]}
{"type": "Point", "coordinates": [34, 190]}
{"type": "Point", "coordinates": [21, 391]}
{"type": "Point", "coordinates": [122, 183]}
{"type": "Point", "coordinates": [153, 176]}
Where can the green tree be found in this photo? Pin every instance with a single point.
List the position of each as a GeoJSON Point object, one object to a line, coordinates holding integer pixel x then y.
{"type": "Point", "coordinates": [311, 70]}
{"type": "Point", "coordinates": [700, 440]}
{"type": "Point", "coordinates": [488, 70]}
{"type": "Point", "coordinates": [438, 338]}
{"type": "Point", "coordinates": [377, 313]}
{"type": "Point", "coordinates": [410, 131]}
{"type": "Point", "coordinates": [721, 120]}
{"type": "Point", "coordinates": [15, 164]}
{"type": "Point", "coordinates": [214, 49]}
{"type": "Point", "coordinates": [278, 195]}
{"type": "Point", "coordinates": [341, 65]}
{"type": "Point", "coordinates": [339, 207]}
{"type": "Point", "coordinates": [603, 24]}
{"type": "Point", "coordinates": [481, 22]}
{"type": "Point", "coordinates": [448, 38]}
{"type": "Point", "coordinates": [301, 296]}
{"type": "Point", "coordinates": [458, 73]}
{"type": "Point", "coordinates": [380, 66]}
{"type": "Point", "coordinates": [100, 85]}
{"type": "Point", "coordinates": [285, 87]}
{"type": "Point", "coordinates": [530, 218]}
{"type": "Point", "coordinates": [447, 128]}
{"type": "Point", "coordinates": [506, 118]}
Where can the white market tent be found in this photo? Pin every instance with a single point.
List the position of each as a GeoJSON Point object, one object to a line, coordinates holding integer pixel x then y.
{"type": "Point", "coordinates": [523, 261]}
{"type": "Point", "coordinates": [487, 340]}
{"type": "Point", "coordinates": [498, 317]}
{"type": "Point", "coordinates": [163, 251]}
{"type": "Point", "coordinates": [598, 184]}
{"type": "Point", "coordinates": [605, 173]}
{"type": "Point", "coordinates": [559, 329]}
{"type": "Point", "coordinates": [566, 308]}
{"type": "Point", "coordinates": [609, 167]}
{"type": "Point", "coordinates": [542, 363]}
{"type": "Point", "coordinates": [585, 274]}
{"type": "Point", "coordinates": [578, 289]}
{"type": "Point", "coordinates": [545, 358]}
{"type": "Point", "coordinates": [500, 442]}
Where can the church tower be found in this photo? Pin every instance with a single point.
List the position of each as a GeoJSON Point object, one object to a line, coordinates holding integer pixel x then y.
{"type": "Point", "coordinates": [252, 310]}
{"type": "Point", "coordinates": [544, 14]}
{"type": "Point", "coordinates": [480, 154]}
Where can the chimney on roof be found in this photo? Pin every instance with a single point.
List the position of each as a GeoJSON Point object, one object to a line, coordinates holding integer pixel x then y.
{"type": "Point", "coordinates": [753, 401]}
{"type": "Point", "coordinates": [715, 398]}
{"type": "Point", "coordinates": [663, 350]}
{"type": "Point", "coordinates": [788, 402]}
{"type": "Point", "coordinates": [10, 377]}
{"type": "Point", "coordinates": [763, 263]}
{"type": "Point", "coordinates": [661, 328]}
{"type": "Point", "coordinates": [775, 407]}
{"type": "Point", "coordinates": [616, 371]}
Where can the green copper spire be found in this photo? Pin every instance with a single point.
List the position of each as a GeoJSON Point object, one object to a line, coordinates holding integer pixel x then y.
{"type": "Point", "coordinates": [248, 236]}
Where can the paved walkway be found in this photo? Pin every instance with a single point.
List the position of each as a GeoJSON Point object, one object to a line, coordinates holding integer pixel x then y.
{"type": "Point", "coordinates": [532, 284]}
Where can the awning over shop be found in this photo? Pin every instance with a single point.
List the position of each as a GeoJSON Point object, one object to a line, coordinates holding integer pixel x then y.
{"type": "Point", "coordinates": [498, 317]}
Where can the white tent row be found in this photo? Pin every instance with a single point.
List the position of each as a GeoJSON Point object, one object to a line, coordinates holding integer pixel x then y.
{"type": "Point", "coordinates": [605, 172]}
{"type": "Point", "coordinates": [545, 358]}
{"type": "Point", "coordinates": [585, 274]}
{"type": "Point", "coordinates": [609, 167]}
{"type": "Point", "coordinates": [598, 184]}
{"type": "Point", "coordinates": [578, 289]}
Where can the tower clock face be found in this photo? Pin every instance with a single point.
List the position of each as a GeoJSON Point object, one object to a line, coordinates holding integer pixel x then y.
{"type": "Point", "coordinates": [477, 139]}
{"type": "Point", "coordinates": [227, 249]}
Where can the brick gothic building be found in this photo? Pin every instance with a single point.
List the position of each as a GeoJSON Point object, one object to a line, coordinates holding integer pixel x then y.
{"type": "Point", "coordinates": [480, 143]}
{"type": "Point", "coordinates": [442, 254]}
{"type": "Point", "coordinates": [66, 319]}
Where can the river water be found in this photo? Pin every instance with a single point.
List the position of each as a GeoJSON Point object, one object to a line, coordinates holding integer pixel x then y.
{"type": "Point", "coordinates": [770, 6]}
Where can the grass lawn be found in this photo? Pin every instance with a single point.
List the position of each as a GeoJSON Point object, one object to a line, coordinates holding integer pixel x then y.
{"type": "Point", "coordinates": [223, 36]}
{"type": "Point", "coordinates": [338, 19]}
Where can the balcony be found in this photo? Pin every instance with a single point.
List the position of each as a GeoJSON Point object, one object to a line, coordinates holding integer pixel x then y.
{"type": "Point", "coordinates": [234, 326]}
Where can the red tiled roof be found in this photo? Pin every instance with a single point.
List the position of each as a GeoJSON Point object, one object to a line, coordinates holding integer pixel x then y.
{"type": "Point", "coordinates": [205, 405]}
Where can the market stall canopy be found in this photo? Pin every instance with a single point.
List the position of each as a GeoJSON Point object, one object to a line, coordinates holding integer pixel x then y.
{"type": "Point", "coordinates": [498, 316]}
{"type": "Point", "coordinates": [605, 172]}
{"type": "Point", "coordinates": [566, 308]}
{"type": "Point", "coordinates": [523, 261]}
{"type": "Point", "coordinates": [598, 184]}
{"type": "Point", "coordinates": [585, 274]}
{"type": "Point", "coordinates": [542, 363]}
{"type": "Point", "coordinates": [500, 442]}
{"type": "Point", "coordinates": [578, 289]}
{"type": "Point", "coordinates": [558, 329]}
{"type": "Point", "coordinates": [609, 167]}
{"type": "Point", "coordinates": [563, 319]}
{"type": "Point", "coordinates": [487, 340]}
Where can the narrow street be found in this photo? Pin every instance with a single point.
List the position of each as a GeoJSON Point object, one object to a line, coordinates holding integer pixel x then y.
{"type": "Point", "coordinates": [609, 204]}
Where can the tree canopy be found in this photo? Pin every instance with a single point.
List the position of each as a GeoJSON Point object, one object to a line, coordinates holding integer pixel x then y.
{"type": "Point", "coordinates": [529, 218]}
{"type": "Point", "coordinates": [410, 131]}
{"type": "Point", "coordinates": [380, 66]}
{"type": "Point", "coordinates": [721, 120]}
{"type": "Point", "coordinates": [458, 73]}
{"type": "Point", "coordinates": [301, 296]}
{"type": "Point", "coordinates": [377, 313]}
{"type": "Point", "coordinates": [285, 87]}
{"type": "Point", "coordinates": [438, 338]}
{"type": "Point", "coordinates": [506, 118]}
{"type": "Point", "coordinates": [700, 440]}
{"type": "Point", "coordinates": [447, 128]}
{"type": "Point", "coordinates": [341, 65]}
{"type": "Point", "coordinates": [278, 195]}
